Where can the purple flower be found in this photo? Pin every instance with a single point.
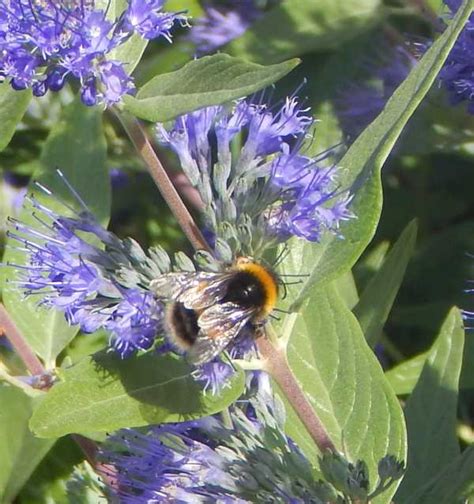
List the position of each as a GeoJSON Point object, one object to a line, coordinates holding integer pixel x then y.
{"type": "Point", "coordinates": [222, 23]}
{"type": "Point", "coordinates": [116, 81]}
{"type": "Point", "coordinates": [135, 322]}
{"type": "Point", "coordinates": [99, 281]}
{"type": "Point", "coordinates": [457, 75]}
{"type": "Point", "coordinates": [94, 287]}
{"type": "Point", "coordinates": [266, 179]}
{"type": "Point", "coordinates": [44, 42]}
{"type": "Point", "coordinates": [209, 460]}
{"type": "Point", "coordinates": [145, 17]}
{"type": "Point", "coordinates": [361, 102]}
{"type": "Point", "coordinates": [214, 376]}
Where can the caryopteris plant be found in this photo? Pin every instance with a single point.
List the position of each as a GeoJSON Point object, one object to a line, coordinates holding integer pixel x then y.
{"type": "Point", "coordinates": [197, 280]}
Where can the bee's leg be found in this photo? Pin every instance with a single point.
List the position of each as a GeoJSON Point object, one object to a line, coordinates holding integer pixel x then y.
{"type": "Point", "coordinates": [259, 328]}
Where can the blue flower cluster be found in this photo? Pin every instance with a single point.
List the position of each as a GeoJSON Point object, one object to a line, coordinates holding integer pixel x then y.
{"type": "Point", "coordinates": [249, 162]}
{"type": "Point", "coordinates": [222, 23]}
{"type": "Point", "coordinates": [209, 461]}
{"type": "Point", "coordinates": [75, 276]}
{"type": "Point", "coordinates": [102, 282]}
{"type": "Point", "coordinates": [43, 42]}
{"type": "Point", "coordinates": [457, 74]}
{"type": "Point", "coordinates": [361, 102]}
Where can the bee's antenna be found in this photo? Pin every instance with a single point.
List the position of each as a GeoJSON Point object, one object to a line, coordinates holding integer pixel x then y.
{"type": "Point", "coordinates": [285, 290]}
{"type": "Point", "coordinates": [279, 258]}
{"type": "Point", "coordinates": [294, 275]}
{"type": "Point", "coordinates": [274, 317]}
{"type": "Point", "coordinates": [281, 311]}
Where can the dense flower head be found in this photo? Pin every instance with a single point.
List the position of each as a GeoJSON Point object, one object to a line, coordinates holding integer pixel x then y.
{"type": "Point", "coordinates": [43, 42]}
{"type": "Point", "coordinates": [95, 286]}
{"type": "Point", "coordinates": [222, 23]}
{"type": "Point", "coordinates": [71, 263]}
{"type": "Point", "coordinates": [457, 74]}
{"type": "Point", "coordinates": [249, 459]}
{"type": "Point", "coordinates": [249, 166]}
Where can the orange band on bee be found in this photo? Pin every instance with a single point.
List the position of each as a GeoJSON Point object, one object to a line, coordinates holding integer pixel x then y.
{"type": "Point", "coordinates": [266, 279]}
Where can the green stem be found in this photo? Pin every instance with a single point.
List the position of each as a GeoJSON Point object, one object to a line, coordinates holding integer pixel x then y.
{"type": "Point", "coordinates": [143, 146]}
{"type": "Point", "coordinates": [276, 364]}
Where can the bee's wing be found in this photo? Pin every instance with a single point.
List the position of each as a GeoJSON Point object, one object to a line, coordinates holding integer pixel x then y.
{"type": "Point", "coordinates": [174, 285]}
{"type": "Point", "coordinates": [219, 325]}
{"type": "Point", "coordinates": [170, 285]}
{"type": "Point", "coordinates": [205, 293]}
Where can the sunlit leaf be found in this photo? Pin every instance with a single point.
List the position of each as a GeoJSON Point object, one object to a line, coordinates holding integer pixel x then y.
{"type": "Point", "coordinates": [104, 393]}
{"type": "Point", "coordinates": [210, 80]}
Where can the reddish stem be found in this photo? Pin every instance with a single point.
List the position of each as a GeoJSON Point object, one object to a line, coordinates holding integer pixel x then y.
{"type": "Point", "coordinates": [32, 363]}
{"type": "Point", "coordinates": [165, 186]}
{"type": "Point", "coordinates": [276, 363]}
{"type": "Point", "coordinates": [35, 367]}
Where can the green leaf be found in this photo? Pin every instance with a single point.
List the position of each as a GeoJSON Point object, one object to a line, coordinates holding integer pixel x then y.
{"type": "Point", "coordinates": [370, 264]}
{"type": "Point", "coordinates": [437, 275]}
{"type": "Point", "coordinates": [347, 289]}
{"type": "Point", "coordinates": [345, 384]}
{"type": "Point", "coordinates": [376, 301]}
{"type": "Point", "coordinates": [13, 105]}
{"type": "Point", "coordinates": [206, 81]}
{"type": "Point", "coordinates": [326, 131]}
{"type": "Point", "coordinates": [77, 146]}
{"type": "Point", "coordinates": [403, 377]}
{"type": "Point", "coordinates": [192, 8]}
{"type": "Point", "coordinates": [20, 451]}
{"type": "Point", "coordinates": [105, 393]}
{"type": "Point", "coordinates": [363, 162]}
{"type": "Point", "coordinates": [48, 484]}
{"type": "Point", "coordinates": [451, 486]}
{"type": "Point", "coordinates": [438, 6]}
{"type": "Point", "coordinates": [308, 26]}
{"type": "Point", "coordinates": [431, 410]}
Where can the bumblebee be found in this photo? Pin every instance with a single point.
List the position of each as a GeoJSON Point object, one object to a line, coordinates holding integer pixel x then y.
{"type": "Point", "coordinates": [206, 311]}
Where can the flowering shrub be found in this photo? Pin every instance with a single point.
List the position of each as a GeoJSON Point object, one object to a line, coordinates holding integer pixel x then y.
{"type": "Point", "coordinates": [205, 296]}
